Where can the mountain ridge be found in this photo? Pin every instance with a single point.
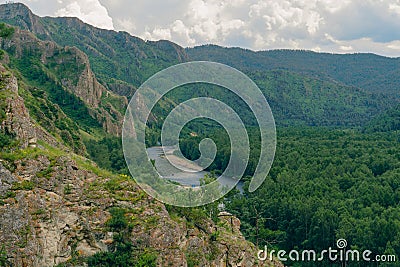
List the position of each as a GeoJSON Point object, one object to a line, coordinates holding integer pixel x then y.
{"type": "Point", "coordinates": [325, 65]}
{"type": "Point", "coordinates": [125, 47]}
{"type": "Point", "coordinates": [122, 62]}
{"type": "Point", "coordinates": [75, 76]}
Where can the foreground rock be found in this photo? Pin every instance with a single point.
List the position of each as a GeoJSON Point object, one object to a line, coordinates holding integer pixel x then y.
{"type": "Point", "coordinates": [55, 207]}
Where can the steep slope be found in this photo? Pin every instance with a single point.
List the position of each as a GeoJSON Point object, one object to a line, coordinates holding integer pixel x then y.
{"type": "Point", "coordinates": [122, 62]}
{"type": "Point", "coordinates": [57, 208]}
{"type": "Point", "coordinates": [119, 60]}
{"type": "Point", "coordinates": [64, 74]}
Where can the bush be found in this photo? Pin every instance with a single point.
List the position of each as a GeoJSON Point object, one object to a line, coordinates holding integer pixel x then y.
{"type": "Point", "coordinates": [123, 253]}
{"type": "Point", "coordinates": [25, 185]}
{"type": "Point", "coordinates": [5, 140]}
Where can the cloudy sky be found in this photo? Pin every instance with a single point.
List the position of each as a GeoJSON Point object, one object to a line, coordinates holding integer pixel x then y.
{"type": "Point", "coordinates": [341, 26]}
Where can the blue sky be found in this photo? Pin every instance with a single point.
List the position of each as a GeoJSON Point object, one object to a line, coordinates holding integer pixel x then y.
{"type": "Point", "coordinates": [344, 26]}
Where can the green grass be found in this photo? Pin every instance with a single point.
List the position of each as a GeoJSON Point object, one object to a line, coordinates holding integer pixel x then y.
{"type": "Point", "coordinates": [24, 185]}
{"type": "Point", "coordinates": [86, 164]}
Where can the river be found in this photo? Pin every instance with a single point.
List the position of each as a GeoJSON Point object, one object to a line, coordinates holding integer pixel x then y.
{"type": "Point", "coordinates": [168, 171]}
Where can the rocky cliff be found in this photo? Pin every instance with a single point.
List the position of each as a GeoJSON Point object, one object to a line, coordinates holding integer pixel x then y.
{"type": "Point", "coordinates": [117, 58]}
{"type": "Point", "coordinates": [56, 208]}
{"type": "Point", "coordinates": [67, 67]}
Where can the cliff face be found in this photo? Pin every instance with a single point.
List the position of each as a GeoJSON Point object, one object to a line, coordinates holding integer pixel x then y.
{"type": "Point", "coordinates": [17, 118]}
{"type": "Point", "coordinates": [18, 13]}
{"type": "Point", "coordinates": [55, 207]}
{"type": "Point", "coordinates": [117, 58]}
{"type": "Point", "coordinates": [68, 67]}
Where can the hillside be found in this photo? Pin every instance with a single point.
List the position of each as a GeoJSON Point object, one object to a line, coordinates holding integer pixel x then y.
{"type": "Point", "coordinates": [386, 122]}
{"type": "Point", "coordinates": [120, 60]}
{"type": "Point", "coordinates": [371, 72]}
{"type": "Point", "coordinates": [60, 209]}
{"type": "Point", "coordinates": [349, 89]}
{"type": "Point", "coordinates": [64, 75]}
{"type": "Point", "coordinates": [297, 99]}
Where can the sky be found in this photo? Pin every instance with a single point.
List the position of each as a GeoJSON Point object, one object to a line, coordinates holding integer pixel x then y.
{"type": "Point", "coordinates": [338, 26]}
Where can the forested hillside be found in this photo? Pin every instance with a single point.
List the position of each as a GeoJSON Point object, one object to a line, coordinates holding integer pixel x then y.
{"type": "Point", "coordinates": [389, 121]}
{"type": "Point", "coordinates": [368, 71]}
{"type": "Point", "coordinates": [304, 88]}
{"type": "Point", "coordinates": [64, 88]}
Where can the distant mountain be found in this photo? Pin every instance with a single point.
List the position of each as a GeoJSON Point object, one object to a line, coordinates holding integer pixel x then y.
{"type": "Point", "coordinates": [367, 71]}
{"type": "Point", "coordinates": [303, 88]}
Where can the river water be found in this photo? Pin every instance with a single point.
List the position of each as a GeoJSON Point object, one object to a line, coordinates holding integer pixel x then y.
{"type": "Point", "coordinates": [170, 172]}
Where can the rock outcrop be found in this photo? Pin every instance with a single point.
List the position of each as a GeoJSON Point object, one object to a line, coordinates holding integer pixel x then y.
{"type": "Point", "coordinates": [55, 206]}
{"type": "Point", "coordinates": [17, 120]}
{"type": "Point", "coordinates": [76, 75]}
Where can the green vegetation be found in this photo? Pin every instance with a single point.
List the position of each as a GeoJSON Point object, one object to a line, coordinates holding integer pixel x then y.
{"type": "Point", "coordinates": [47, 112]}
{"type": "Point", "coordinates": [326, 185]}
{"type": "Point", "coordinates": [371, 72]}
{"type": "Point", "coordinates": [387, 122]}
{"type": "Point", "coordinates": [3, 257]}
{"type": "Point", "coordinates": [9, 194]}
{"type": "Point", "coordinates": [67, 189]}
{"type": "Point", "coordinates": [6, 140]}
{"type": "Point", "coordinates": [39, 76]}
{"type": "Point", "coordinates": [5, 32]}
{"type": "Point", "coordinates": [11, 155]}
{"type": "Point", "coordinates": [108, 154]}
{"type": "Point", "coordinates": [24, 185]}
{"type": "Point", "coordinates": [123, 252]}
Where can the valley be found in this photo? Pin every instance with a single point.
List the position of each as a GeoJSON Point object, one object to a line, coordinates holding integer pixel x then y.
{"type": "Point", "coordinates": [67, 197]}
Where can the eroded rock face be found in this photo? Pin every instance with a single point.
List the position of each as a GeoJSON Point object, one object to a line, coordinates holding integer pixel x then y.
{"type": "Point", "coordinates": [66, 211]}
{"type": "Point", "coordinates": [17, 120]}
{"type": "Point", "coordinates": [53, 209]}
{"type": "Point", "coordinates": [17, 117]}
{"type": "Point", "coordinates": [6, 180]}
{"type": "Point", "coordinates": [29, 21]}
{"type": "Point", "coordinates": [78, 80]}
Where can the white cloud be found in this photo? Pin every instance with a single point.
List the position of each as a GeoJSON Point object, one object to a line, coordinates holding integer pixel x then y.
{"type": "Point", "coordinates": [89, 11]}
{"type": "Point", "coordinates": [320, 25]}
{"type": "Point", "coordinates": [346, 48]}
{"type": "Point", "coordinates": [125, 25]}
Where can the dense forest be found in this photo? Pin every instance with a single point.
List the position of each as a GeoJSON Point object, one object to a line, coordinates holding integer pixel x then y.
{"type": "Point", "coordinates": [324, 185]}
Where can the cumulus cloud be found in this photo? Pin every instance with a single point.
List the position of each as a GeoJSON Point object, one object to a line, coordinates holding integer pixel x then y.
{"type": "Point", "coordinates": [89, 11]}
{"type": "Point", "coordinates": [321, 25]}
